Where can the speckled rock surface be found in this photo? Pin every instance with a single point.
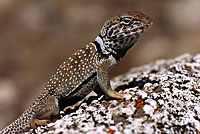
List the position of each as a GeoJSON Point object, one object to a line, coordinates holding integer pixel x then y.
{"type": "Point", "coordinates": [161, 97]}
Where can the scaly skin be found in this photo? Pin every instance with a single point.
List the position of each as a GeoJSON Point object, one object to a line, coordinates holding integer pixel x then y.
{"type": "Point", "coordinates": [86, 70]}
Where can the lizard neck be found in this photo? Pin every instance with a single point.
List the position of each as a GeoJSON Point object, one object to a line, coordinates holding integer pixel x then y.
{"type": "Point", "coordinates": [105, 51]}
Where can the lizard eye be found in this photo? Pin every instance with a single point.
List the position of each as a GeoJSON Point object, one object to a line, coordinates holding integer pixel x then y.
{"type": "Point", "coordinates": [125, 20]}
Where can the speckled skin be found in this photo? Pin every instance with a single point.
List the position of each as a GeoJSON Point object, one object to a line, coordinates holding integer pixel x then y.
{"type": "Point", "coordinates": [86, 70]}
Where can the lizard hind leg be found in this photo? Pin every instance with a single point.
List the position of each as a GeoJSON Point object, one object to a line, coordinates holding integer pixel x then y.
{"type": "Point", "coordinates": [48, 107]}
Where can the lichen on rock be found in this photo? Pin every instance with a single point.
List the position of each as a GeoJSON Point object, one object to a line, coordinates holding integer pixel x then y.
{"type": "Point", "coordinates": [161, 97]}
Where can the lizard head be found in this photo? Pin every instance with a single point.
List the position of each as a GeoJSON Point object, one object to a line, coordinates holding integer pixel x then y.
{"type": "Point", "coordinates": [121, 32]}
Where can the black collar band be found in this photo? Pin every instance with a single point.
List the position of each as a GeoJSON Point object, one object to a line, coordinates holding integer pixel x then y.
{"type": "Point", "coordinates": [105, 55]}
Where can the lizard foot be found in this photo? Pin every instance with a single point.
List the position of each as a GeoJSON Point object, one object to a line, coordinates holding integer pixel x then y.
{"type": "Point", "coordinates": [113, 94]}
{"type": "Point", "coordinates": [79, 102]}
{"type": "Point", "coordinates": [37, 122]}
{"type": "Point", "coordinates": [71, 107]}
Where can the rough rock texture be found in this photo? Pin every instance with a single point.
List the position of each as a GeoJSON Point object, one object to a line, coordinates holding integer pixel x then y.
{"type": "Point", "coordinates": [161, 97]}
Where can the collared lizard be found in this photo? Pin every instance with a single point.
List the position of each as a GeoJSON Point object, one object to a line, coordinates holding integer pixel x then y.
{"type": "Point", "coordinates": [87, 69]}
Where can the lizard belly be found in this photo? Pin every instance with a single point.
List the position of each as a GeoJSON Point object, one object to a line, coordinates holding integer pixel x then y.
{"type": "Point", "coordinates": [79, 93]}
{"type": "Point", "coordinates": [85, 88]}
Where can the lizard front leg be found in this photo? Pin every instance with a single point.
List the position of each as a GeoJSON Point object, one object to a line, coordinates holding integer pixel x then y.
{"type": "Point", "coordinates": [103, 78]}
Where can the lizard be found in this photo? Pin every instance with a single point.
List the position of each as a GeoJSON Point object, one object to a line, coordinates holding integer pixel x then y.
{"type": "Point", "coordinates": [86, 70]}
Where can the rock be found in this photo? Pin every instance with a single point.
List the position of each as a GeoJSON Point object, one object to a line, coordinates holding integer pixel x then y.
{"type": "Point", "coordinates": [161, 97]}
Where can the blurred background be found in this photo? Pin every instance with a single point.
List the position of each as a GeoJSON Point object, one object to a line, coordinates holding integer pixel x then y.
{"type": "Point", "coordinates": [37, 36]}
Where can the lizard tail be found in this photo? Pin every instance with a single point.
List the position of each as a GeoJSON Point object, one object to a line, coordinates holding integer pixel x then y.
{"type": "Point", "coordinates": [16, 127]}
{"type": "Point", "coordinates": [43, 104]}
